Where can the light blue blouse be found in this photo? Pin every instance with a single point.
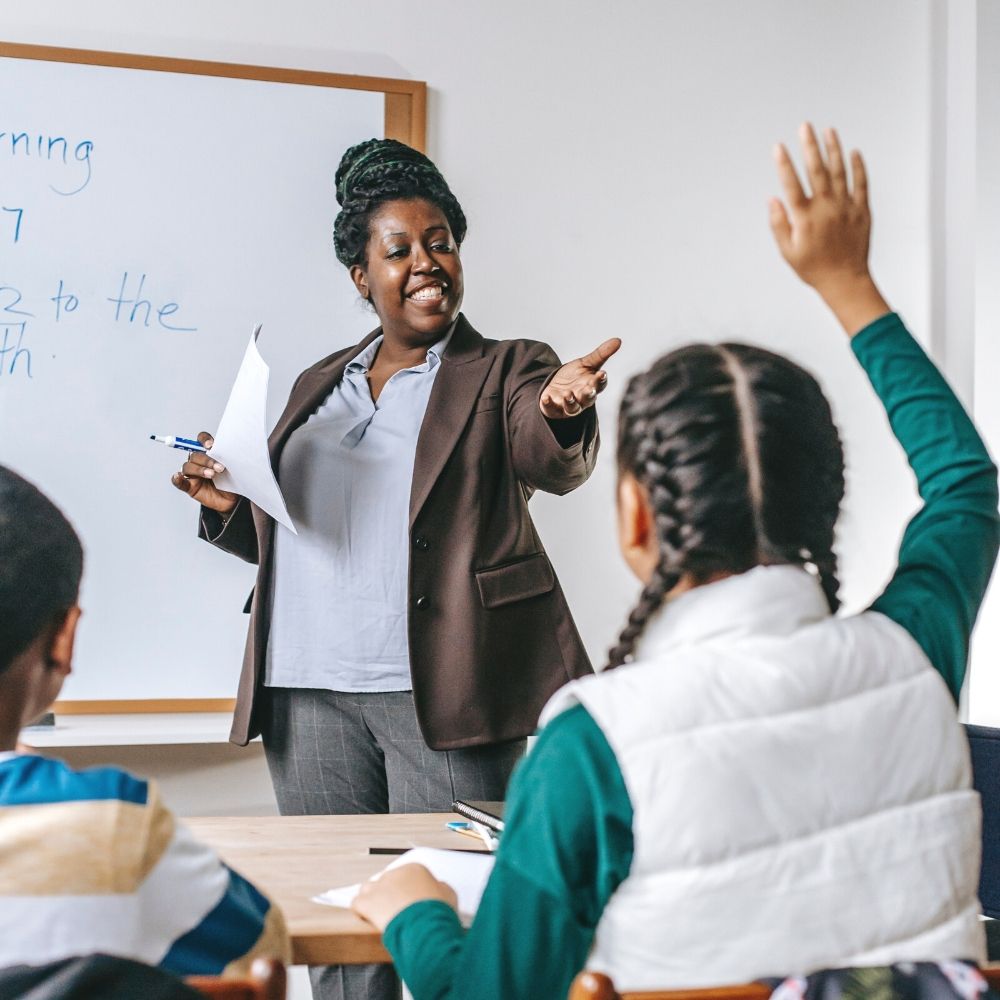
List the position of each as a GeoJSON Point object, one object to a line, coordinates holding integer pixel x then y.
{"type": "Point", "coordinates": [339, 600]}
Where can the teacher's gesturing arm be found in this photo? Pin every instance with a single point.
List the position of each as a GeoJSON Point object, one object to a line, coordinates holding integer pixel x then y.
{"type": "Point", "coordinates": [551, 417]}
{"type": "Point", "coordinates": [576, 385]}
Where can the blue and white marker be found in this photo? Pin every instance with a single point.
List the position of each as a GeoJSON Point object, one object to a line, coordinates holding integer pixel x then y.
{"type": "Point", "coordinates": [172, 441]}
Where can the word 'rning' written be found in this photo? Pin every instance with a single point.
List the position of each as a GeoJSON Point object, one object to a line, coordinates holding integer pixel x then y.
{"type": "Point", "coordinates": [75, 157]}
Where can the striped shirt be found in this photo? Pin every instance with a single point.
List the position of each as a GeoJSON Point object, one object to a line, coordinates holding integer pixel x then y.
{"type": "Point", "coordinates": [92, 861]}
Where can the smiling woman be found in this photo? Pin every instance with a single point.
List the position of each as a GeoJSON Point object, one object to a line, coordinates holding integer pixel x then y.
{"type": "Point", "coordinates": [404, 641]}
{"type": "Point", "coordinates": [415, 272]}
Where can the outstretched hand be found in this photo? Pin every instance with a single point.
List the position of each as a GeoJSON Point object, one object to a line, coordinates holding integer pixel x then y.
{"type": "Point", "coordinates": [576, 385]}
{"type": "Point", "coordinates": [824, 234]}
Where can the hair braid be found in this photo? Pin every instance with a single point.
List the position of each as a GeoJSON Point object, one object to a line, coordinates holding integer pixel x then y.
{"type": "Point", "coordinates": [818, 533]}
{"type": "Point", "coordinates": [656, 477]}
{"type": "Point", "coordinates": [380, 170]}
{"type": "Point", "coordinates": [655, 407]}
{"type": "Point", "coordinates": [826, 567]}
{"type": "Point", "coordinates": [803, 461]}
{"type": "Point", "coordinates": [737, 450]}
{"type": "Point", "coordinates": [650, 600]}
{"type": "Point", "coordinates": [832, 492]}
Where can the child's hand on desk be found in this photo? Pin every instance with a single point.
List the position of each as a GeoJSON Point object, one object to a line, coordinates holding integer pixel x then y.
{"type": "Point", "coordinates": [395, 889]}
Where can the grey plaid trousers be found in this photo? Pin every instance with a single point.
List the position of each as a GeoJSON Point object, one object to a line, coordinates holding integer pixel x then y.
{"type": "Point", "coordinates": [332, 752]}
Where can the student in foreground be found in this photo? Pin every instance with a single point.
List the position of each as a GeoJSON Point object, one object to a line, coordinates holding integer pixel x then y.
{"type": "Point", "coordinates": [754, 787]}
{"type": "Point", "coordinates": [92, 861]}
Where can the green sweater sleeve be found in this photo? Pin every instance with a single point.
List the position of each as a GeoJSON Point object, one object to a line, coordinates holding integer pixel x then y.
{"type": "Point", "coordinates": [566, 847]}
{"type": "Point", "coordinates": [949, 547]}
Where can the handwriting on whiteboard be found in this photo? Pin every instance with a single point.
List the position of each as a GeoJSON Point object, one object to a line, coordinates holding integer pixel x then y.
{"type": "Point", "coordinates": [131, 301]}
{"type": "Point", "coordinates": [69, 163]}
{"type": "Point", "coordinates": [133, 305]}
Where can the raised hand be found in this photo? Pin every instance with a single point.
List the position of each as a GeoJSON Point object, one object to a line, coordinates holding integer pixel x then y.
{"type": "Point", "coordinates": [195, 479]}
{"type": "Point", "coordinates": [575, 386]}
{"type": "Point", "coordinates": [824, 234]}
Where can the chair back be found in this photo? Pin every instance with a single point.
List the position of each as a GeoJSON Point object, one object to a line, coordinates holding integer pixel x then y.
{"type": "Point", "coordinates": [984, 744]}
{"type": "Point", "coordinates": [267, 981]}
{"type": "Point", "coordinates": [597, 986]}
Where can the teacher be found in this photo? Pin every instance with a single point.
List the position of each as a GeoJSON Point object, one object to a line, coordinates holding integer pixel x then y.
{"type": "Point", "coordinates": [403, 642]}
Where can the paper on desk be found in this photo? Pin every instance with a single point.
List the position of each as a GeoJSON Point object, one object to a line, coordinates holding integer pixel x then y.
{"type": "Point", "coordinates": [241, 439]}
{"type": "Point", "coordinates": [466, 872]}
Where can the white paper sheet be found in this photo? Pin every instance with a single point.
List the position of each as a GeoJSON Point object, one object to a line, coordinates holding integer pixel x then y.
{"type": "Point", "coordinates": [467, 873]}
{"type": "Point", "coordinates": [241, 438]}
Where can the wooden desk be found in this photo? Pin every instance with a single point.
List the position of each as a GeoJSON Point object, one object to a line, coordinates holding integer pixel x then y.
{"type": "Point", "coordinates": [293, 858]}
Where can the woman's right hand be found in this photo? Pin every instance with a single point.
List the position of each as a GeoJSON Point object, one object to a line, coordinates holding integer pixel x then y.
{"type": "Point", "coordinates": [824, 233]}
{"type": "Point", "coordinates": [195, 479]}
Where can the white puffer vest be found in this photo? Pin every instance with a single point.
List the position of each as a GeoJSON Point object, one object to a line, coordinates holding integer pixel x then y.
{"type": "Point", "coordinates": [801, 792]}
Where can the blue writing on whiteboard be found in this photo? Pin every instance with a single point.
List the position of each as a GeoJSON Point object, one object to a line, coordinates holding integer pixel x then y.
{"type": "Point", "coordinates": [11, 350]}
{"type": "Point", "coordinates": [10, 307]}
{"type": "Point", "coordinates": [52, 149]}
{"type": "Point", "coordinates": [19, 213]}
{"type": "Point", "coordinates": [143, 309]}
{"type": "Point", "coordinates": [65, 301]}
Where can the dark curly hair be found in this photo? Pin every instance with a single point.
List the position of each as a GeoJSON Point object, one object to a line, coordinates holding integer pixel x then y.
{"type": "Point", "coordinates": [41, 562]}
{"type": "Point", "coordinates": [743, 464]}
{"type": "Point", "coordinates": [380, 170]}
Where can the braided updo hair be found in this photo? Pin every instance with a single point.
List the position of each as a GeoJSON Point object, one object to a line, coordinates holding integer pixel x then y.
{"type": "Point", "coordinates": [743, 464]}
{"type": "Point", "coordinates": [380, 170]}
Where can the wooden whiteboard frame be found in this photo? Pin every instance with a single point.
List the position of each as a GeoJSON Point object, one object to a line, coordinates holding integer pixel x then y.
{"type": "Point", "coordinates": [405, 100]}
{"type": "Point", "coordinates": [405, 120]}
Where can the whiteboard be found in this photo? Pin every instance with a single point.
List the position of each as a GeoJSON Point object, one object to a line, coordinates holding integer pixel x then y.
{"type": "Point", "coordinates": [151, 212]}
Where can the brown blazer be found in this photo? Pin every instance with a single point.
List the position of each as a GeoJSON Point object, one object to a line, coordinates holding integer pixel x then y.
{"type": "Point", "coordinates": [491, 636]}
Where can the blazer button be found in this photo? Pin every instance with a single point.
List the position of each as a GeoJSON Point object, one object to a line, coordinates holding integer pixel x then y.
{"type": "Point", "coordinates": [421, 543]}
{"type": "Point", "coordinates": [422, 602]}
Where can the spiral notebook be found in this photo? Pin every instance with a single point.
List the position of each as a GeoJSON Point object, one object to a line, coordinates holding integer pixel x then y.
{"type": "Point", "coordinates": [488, 813]}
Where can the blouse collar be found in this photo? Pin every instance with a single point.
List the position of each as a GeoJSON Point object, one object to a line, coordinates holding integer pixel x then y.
{"type": "Point", "coordinates": [363, 360]}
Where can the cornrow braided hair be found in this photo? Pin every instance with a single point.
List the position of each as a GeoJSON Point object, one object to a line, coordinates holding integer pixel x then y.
{"type": "Point", "coordinates": [380, 170]}
{"type": "Point", "coordinates": [743, 465]}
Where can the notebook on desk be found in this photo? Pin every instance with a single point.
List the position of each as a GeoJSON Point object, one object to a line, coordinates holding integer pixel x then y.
{"type": "Point", "coordinates": [488, 813]}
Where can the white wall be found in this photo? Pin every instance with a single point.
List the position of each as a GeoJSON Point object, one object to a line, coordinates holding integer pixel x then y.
{"type": "Point", "coordinates": [613, 159]}
{"type": "Point", "coordinates": [984, 694]}
{"type": "Point", "coordinates": [213, 779]}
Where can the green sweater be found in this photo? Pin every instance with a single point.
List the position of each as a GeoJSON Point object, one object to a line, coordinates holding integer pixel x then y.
{"type": "Point", "coordinates": [567, 843]}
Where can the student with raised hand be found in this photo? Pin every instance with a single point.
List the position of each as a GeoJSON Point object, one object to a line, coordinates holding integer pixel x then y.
{"type": "Point", "coordinates": [92, 861]}
{"type": "Point", "coordinates": [755, 786]}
